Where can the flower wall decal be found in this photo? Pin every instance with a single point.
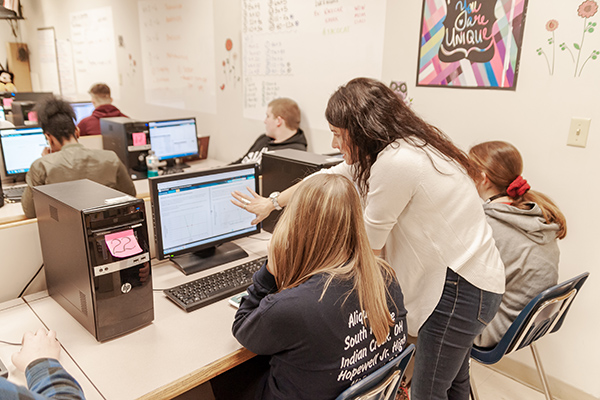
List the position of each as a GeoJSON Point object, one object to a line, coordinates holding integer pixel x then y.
{"type": "Point", "coordinates": [586, 10]}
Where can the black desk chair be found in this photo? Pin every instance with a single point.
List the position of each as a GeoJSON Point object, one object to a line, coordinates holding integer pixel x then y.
{"type": "Point", "coordinates": [383, 383]}
{"type": "Point", "coordinates": [543, 315]}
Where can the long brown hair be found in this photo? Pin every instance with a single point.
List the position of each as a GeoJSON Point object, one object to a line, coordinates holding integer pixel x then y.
{"type": "Point", "coordinates": [502, 164]}
{"type": "Point", "coordinates": [322, 231]}
{"type": "Point", "coordinates": [374, 117]}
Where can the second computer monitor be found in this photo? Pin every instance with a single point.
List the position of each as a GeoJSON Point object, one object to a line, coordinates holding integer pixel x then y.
{"type": "Point", "coordinates": [194, 219]}
{"type": "Point", "coordinates": [83, 109]}
{"type": "Point", "coordinates": [21, 147]}
{"type": "Point", "coordinates": [173, 139]}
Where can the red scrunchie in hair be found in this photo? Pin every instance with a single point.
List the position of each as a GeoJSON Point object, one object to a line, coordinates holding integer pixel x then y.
{"type": "Point", "coordinates": [518, 187]}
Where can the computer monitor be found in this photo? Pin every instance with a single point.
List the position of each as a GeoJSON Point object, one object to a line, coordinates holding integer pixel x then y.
{"type": "Point", "coordinates": [20, 147]}
{"type": "Point", "coordinates": [32, 96]}
{"type": "Point", "coordinates": [83, 109]}
{"type": "Point", "coordinates": [2, 114]}
{"type": "Point", "coordinates": [194, 219]}
{"type": "Point", "coordinates": [173, 139]}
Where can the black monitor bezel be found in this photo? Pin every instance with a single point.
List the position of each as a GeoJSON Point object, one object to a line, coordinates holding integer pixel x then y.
{"type": "Point", "coordinates": [153, 184]}
{"type": "Point", "coordinates": [173, 120]}
{"type": "Point", "coordinates": [19, 176]}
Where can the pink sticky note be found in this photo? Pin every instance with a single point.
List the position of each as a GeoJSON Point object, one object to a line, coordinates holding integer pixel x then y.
{"type": "Point", "coordinates": [32, 116]}
{"type": "Point", "coordinates": [7, 102]}
{"type": "Point", "coordinates": [122, 244]}
{"type": "Point", "coordinates": [139, 138]}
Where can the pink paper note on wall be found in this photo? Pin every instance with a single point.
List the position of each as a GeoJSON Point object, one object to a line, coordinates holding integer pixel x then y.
{"type": "Point", "coordinates": [122, 244]}
{"type": "Point", "coordinates": [139, 138]}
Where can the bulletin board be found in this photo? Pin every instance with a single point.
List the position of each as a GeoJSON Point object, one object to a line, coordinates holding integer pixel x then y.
{"type": "Point", "coordinates": [471, 44]}
{"type": "Point", "coordinates": [322, 44]}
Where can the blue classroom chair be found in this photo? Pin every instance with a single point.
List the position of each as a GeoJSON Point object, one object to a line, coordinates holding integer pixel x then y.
{"type": "Point", "coordinates": [383, 383]}
{"type": "Point", "coordinates": [543, 315]}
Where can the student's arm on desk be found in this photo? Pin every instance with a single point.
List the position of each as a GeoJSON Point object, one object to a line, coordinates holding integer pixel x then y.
{"type": "Point", "coordinates": [46, 377]}
{"type": "Point", "coordinates": [255, 326]}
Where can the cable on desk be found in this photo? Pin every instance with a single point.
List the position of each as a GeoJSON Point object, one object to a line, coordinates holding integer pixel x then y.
{"type": "Point", "coordinates": [10, 343]}
{"type": "Point", "coordinates": [29, 283]}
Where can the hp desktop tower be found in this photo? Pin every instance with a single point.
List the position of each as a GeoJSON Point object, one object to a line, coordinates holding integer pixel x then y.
{"type": "Point", "coordinates": [96, 255]}
{"type": "Point", "coordinates": [283, 168]}
{"type": "Point", "coordinates": [130, 139]}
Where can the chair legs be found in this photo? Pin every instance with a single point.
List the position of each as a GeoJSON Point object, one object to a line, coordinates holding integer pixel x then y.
{"type": "Point", "coordinates": [474, 395]}
{"type": "Point", "coordinates": [540, 369]}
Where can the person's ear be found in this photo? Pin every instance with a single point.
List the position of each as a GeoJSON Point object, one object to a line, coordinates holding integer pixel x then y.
{"type": "Point", "coordinates": [77, 132]}
{"type": "Point", "coordinates": [279, 121]}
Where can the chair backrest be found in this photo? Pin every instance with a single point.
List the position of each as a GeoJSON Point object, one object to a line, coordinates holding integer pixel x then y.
{"type": "Point", "coordinates": [383, 383]}
{"type": "Point", "coordinates": [544, 314]}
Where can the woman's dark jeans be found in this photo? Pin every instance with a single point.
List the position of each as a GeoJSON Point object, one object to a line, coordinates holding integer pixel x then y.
{"type": "Point", "coordinates": [445, 340]}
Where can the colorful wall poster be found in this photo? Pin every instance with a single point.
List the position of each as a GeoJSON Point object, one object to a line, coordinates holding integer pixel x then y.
{"type": "Point", "coordinates": [471, 44]}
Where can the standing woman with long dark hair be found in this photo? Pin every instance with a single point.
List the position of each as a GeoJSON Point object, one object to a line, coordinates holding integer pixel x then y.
{"type": "Point", "coordinates": [423, 213]}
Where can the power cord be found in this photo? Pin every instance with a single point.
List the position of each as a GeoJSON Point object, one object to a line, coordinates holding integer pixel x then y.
{"type": "Point", "coordinates": [29, 283]}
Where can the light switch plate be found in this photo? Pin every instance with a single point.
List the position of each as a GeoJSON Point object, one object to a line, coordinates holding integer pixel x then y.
{"type": "Point", "coordinates": [578, 132]}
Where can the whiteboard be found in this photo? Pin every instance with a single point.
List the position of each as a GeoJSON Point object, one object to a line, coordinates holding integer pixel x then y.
{"type": "Point", "coordinates": [94, 50]}
{"type": "Point", "coordinates": [65, 68]}
{"type": "Point", "coordinates": [46, 39]}
{"type": "Point", "coordinates": [178, 54]}
{"type": "Point", "coordinates": [306, 49]}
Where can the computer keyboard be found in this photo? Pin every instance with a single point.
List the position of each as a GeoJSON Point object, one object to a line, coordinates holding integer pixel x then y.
{"type": "Point", "coordinates": [13, 192]}
{"type": "Point", "coordinates": [204, 291]}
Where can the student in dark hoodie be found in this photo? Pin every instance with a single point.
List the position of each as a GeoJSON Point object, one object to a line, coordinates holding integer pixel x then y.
{"type": "Point", "coordinates": [525, 224]}
{"type": "Point", "coordinates": [102, 101]}
{"type": "Point", "coordinates": [282, 125]}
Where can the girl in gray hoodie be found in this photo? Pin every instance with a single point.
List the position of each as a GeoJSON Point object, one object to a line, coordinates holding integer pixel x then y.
{"type": "Point", "coordinates": [525, 224]}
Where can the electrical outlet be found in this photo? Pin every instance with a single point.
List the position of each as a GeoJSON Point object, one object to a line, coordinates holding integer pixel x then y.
{"type": "Point", "coordinates": [578, 132]}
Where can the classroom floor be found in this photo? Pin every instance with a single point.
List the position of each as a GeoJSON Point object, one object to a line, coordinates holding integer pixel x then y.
{"type": "Point", "coordinates": [492, 385]}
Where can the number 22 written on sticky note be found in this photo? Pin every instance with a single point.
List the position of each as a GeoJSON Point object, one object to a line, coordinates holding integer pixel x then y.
{"type": "Point", "coordinates": [122, 244]}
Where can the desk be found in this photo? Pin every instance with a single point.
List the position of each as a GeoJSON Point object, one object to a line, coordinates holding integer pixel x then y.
{"type": "Point", "coordinates": [174, 354]}
{"type": "Point", "coordinates": [20, 243]}
{"type": "Point", "coordinates": [13, 212]}
{"type": "Point", "coordinates": [17, 318]}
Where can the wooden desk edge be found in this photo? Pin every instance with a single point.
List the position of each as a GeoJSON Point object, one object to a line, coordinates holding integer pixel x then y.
{"type": "Point", "coordinates": [199, 376]}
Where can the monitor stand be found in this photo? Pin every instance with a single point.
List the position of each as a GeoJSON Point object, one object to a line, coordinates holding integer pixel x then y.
{"type": "Point", "coordinates": [174, 166]}
{"type": "Point", "coordinates": [211, 257]}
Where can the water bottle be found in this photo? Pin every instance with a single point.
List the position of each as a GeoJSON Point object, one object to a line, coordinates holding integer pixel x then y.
{"type": "Point", "coordinates": [152, 164]}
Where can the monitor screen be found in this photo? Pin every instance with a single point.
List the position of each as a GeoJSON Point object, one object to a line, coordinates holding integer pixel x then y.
{"type": "Point", "coordinates": [82, 110]}
{"type": "Point", "coordinates": [194, 218]}
{"type": "Point", "coordinates": [21, 147]}
{"type": "Point", "coordinates": [2, 114]}
{"type": "Point", "coordinates": [174, 138]}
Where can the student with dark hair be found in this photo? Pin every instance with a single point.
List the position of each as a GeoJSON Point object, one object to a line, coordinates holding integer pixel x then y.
{"type": "Point", "coordinates": [282, 125]}
{"type": "Point", "coordinates": [526, 225]}
{"type": "Point", "coordinates": [102, 101]}
{"type": "Point", "coordinates": [325, 309]}
{"type": "Point", "coordinates": [67, 160]}
{"type": "Point", "coordinates": [423, 214]}
{"type": "Point", "coordinates": [46, 378]}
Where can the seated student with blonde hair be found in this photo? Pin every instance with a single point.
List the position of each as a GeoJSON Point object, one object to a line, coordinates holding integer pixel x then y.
{"type": "Point", "coordinates": [525, 225]}
{"type": "Point", "coordinates": [282, 126]}
{"type": "Point", "coordinates": [68, 160]}
{"type": "Point", "coordinates": [102, 101]}
{"type": "Point", "coordinates": [325, 309]}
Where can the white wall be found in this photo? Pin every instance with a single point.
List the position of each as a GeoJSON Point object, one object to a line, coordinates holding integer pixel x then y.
{"type": "Point", "coordinates": [535, 118]}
